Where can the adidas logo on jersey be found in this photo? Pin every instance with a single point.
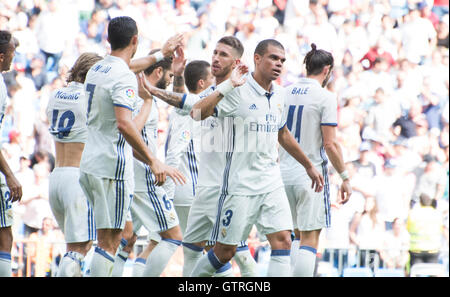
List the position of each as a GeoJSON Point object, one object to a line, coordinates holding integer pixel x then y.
{"type": "Point", "coordinates": [253, 107]}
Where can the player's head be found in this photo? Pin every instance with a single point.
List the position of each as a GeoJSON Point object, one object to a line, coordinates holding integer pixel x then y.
{"type": "Point", "coordinates": [160, 73]}
{"type": "Point", "coordinates": [319, 63]}
{"type": "Point", "coordinates": [226, 56]}
{"type": "Point", "coordinates": [269, 57]}
{"type": "Point", "coordinates": [198, 76]}
{"type": "Point", "coordinates": [122, 33]}
{"type": "Point", "coordinates": [81, 67]}
{"type": "Point", "coordinates": [8, 46]}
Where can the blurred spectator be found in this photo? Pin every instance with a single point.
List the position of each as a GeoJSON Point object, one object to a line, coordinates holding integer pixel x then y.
{"type": "Point", "coordinates": [35, 200]}
{"type": "Point", "coordinates": [41, 247]}
{"type": "Point", "coordinates": [367, 232]}
{"type": "Point", "coordinates": [412, 68]}
{"type": "Point", "coordinates": [395, 247]}
{"type": "Point", "coordinates": [392, 200]}
{"type": "Point", "coordinates": [52, 34]}
{"type": "Point", "coordinates": [425, 226]}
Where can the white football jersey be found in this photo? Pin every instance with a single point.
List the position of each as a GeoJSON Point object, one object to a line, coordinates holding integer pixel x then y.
{"type": "Point", "coordinates": [252, 119]}
{"type": "Point", "coordinates": [143, 176]}
{"type": "Point", "coordinates": [66, 112]}
{"type": "Point", "coordinates": [180, 154]}
{"type": "Point", "coordinates": [308, 107]}
{"type": "Point", "coordinates": [208, 142]}
{"type": "Point", "coordinates": [106, 154]}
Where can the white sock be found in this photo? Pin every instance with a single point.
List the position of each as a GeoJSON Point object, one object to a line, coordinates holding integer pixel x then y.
{"type": "Point", "coordinates": [306, 262]}
{"type": "Point", "coordinates": [120, 259]}
{"type": "Point", "coordinates": [70, 265]}
{"type": "Point", "coordinates": [5, 264]}
{"type": "Point", "coordinates": [138, 267]}
{"type": "Point", "coordinates": [245, 261]}
{"type": "Point", "coordinates": [294, 250]}
{"type": "Point", "coordinates": [192, 254]}
{"type": "Point", "coordinates": [225, 271]}
{"type": "Point", "coordinates": [280, 263]}
{"type": "Point", "coordinates": [102, 263]}
{"type": "Point", "coordinates": [207, 265]}
{"type": "Point", "coordinates": [160, 256]}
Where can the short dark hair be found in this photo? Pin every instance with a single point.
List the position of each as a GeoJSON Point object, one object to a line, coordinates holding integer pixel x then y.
{"type": "Point", "coordinates": [234, 43]}
{"type": "Point", "coordinates": [262, 46]}
{"type": "Point", "coordinates": [316, 60]}
{"type": "Point", "coordinates": [195, 71]}
{"type": "Point", "coordinates": [165, 63]}
{"type": "Point", "coordinates": [5, 39]}
{"type": "Point", "coordinates": [120, 32]}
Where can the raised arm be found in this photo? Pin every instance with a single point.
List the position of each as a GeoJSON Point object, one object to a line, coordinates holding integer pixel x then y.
{"type": "Point", "coordinates": [178, 66]}
{"type": "Point", "coordinates": [168, 49]}
{"type": "Point", "coordinates": [205, 108]}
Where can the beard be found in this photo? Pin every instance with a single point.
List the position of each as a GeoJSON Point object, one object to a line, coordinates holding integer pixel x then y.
{"type": "Point", "coordinates": [161, 84]}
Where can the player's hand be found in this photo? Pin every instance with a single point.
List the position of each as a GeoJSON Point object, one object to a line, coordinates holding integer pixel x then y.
{"type": "Point", "coordinates": [143, 91]}
{"type": "Point", "coordinates": [345, 192]}
{"type": "Point", "coordinates": [238, 75]}
{"type": "Point", "coordinates": [179, 62]}
{"type": "Point", "coordinates": [172, 44]}
{"type": "Point", "coordinates": [177, 177]}
{"type": "Point", "coordinates": [316, 178]}
{"type": "Point", "coordinates": [15, 188]}
{"type": "Point", "coordinates": [158, 170]}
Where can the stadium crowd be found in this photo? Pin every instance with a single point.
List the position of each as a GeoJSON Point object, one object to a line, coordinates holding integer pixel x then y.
{"type": "Point", "coordinates": [391, 79]}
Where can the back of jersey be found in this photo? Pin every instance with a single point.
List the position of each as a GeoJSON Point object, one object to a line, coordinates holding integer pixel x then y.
{"type": "Point", "coordinates": [109, 83]}
{"type": "Point", "coordinates": [66, 112]}
{"type": "Point", "coordinates": [308, 106]}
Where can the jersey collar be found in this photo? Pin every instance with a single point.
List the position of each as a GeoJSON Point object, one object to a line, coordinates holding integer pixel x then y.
{"type": "Point", "coordinates": [260, 90]}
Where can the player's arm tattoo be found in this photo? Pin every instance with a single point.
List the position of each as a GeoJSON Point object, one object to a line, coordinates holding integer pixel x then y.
{"type": "Point", "coordinates": [171, 98]}
{"type": "Point", "coordinates": [178, 84]}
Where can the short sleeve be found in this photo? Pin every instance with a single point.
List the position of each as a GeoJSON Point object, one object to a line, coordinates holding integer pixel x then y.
{"type": "Point", "coordinates": [229, 104]}
{"type": "Point", "coordinates": [329, 112]}
{"type": "Point", "coordinates": [124, 93]}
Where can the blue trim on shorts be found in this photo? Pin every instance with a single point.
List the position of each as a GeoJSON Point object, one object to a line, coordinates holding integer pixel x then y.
{"type": "Point", "coordinates": [226, 174]}
{"type": "Point", "coordinates": [192, 247]}
{"type": "Point", "coordinates": [326, 190]}
{"type": "Point", "coordinates": [2, 210]}
{"type": "Point", "coordinates": [308, 248]}
{"type": "Point", "coordinates": [242, 248]}
{"type": "Point", "coordinates": [274, 253]}
{"type": "Point", "coordinates": [5, 256]}
{"type": "Point", "coordinates": [173, 241]}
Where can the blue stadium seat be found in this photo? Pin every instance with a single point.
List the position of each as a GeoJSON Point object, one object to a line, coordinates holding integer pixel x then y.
{"type": "Point", "coordinates": [389, 272]}
{"type": "Point", "coordinates": [357, 272]}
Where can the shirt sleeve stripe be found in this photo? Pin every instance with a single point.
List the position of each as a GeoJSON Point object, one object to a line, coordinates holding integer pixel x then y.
{"type": "Point", "coordinates": [328, 124]}
{"type": "Point", "coordinates": [182, 101]}
{"type": "Point", "coordinates": [124, 106]}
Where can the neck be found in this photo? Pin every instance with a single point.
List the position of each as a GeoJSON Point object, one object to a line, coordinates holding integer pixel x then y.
{"type": "Point", "coordinates": [125, 54]}
{"type": "Point", "coordinates": [265, 83]}
{"type": "Point", "coordinates": [221, 79]}
{"type": "Point", "coordinates": [319, 78]}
